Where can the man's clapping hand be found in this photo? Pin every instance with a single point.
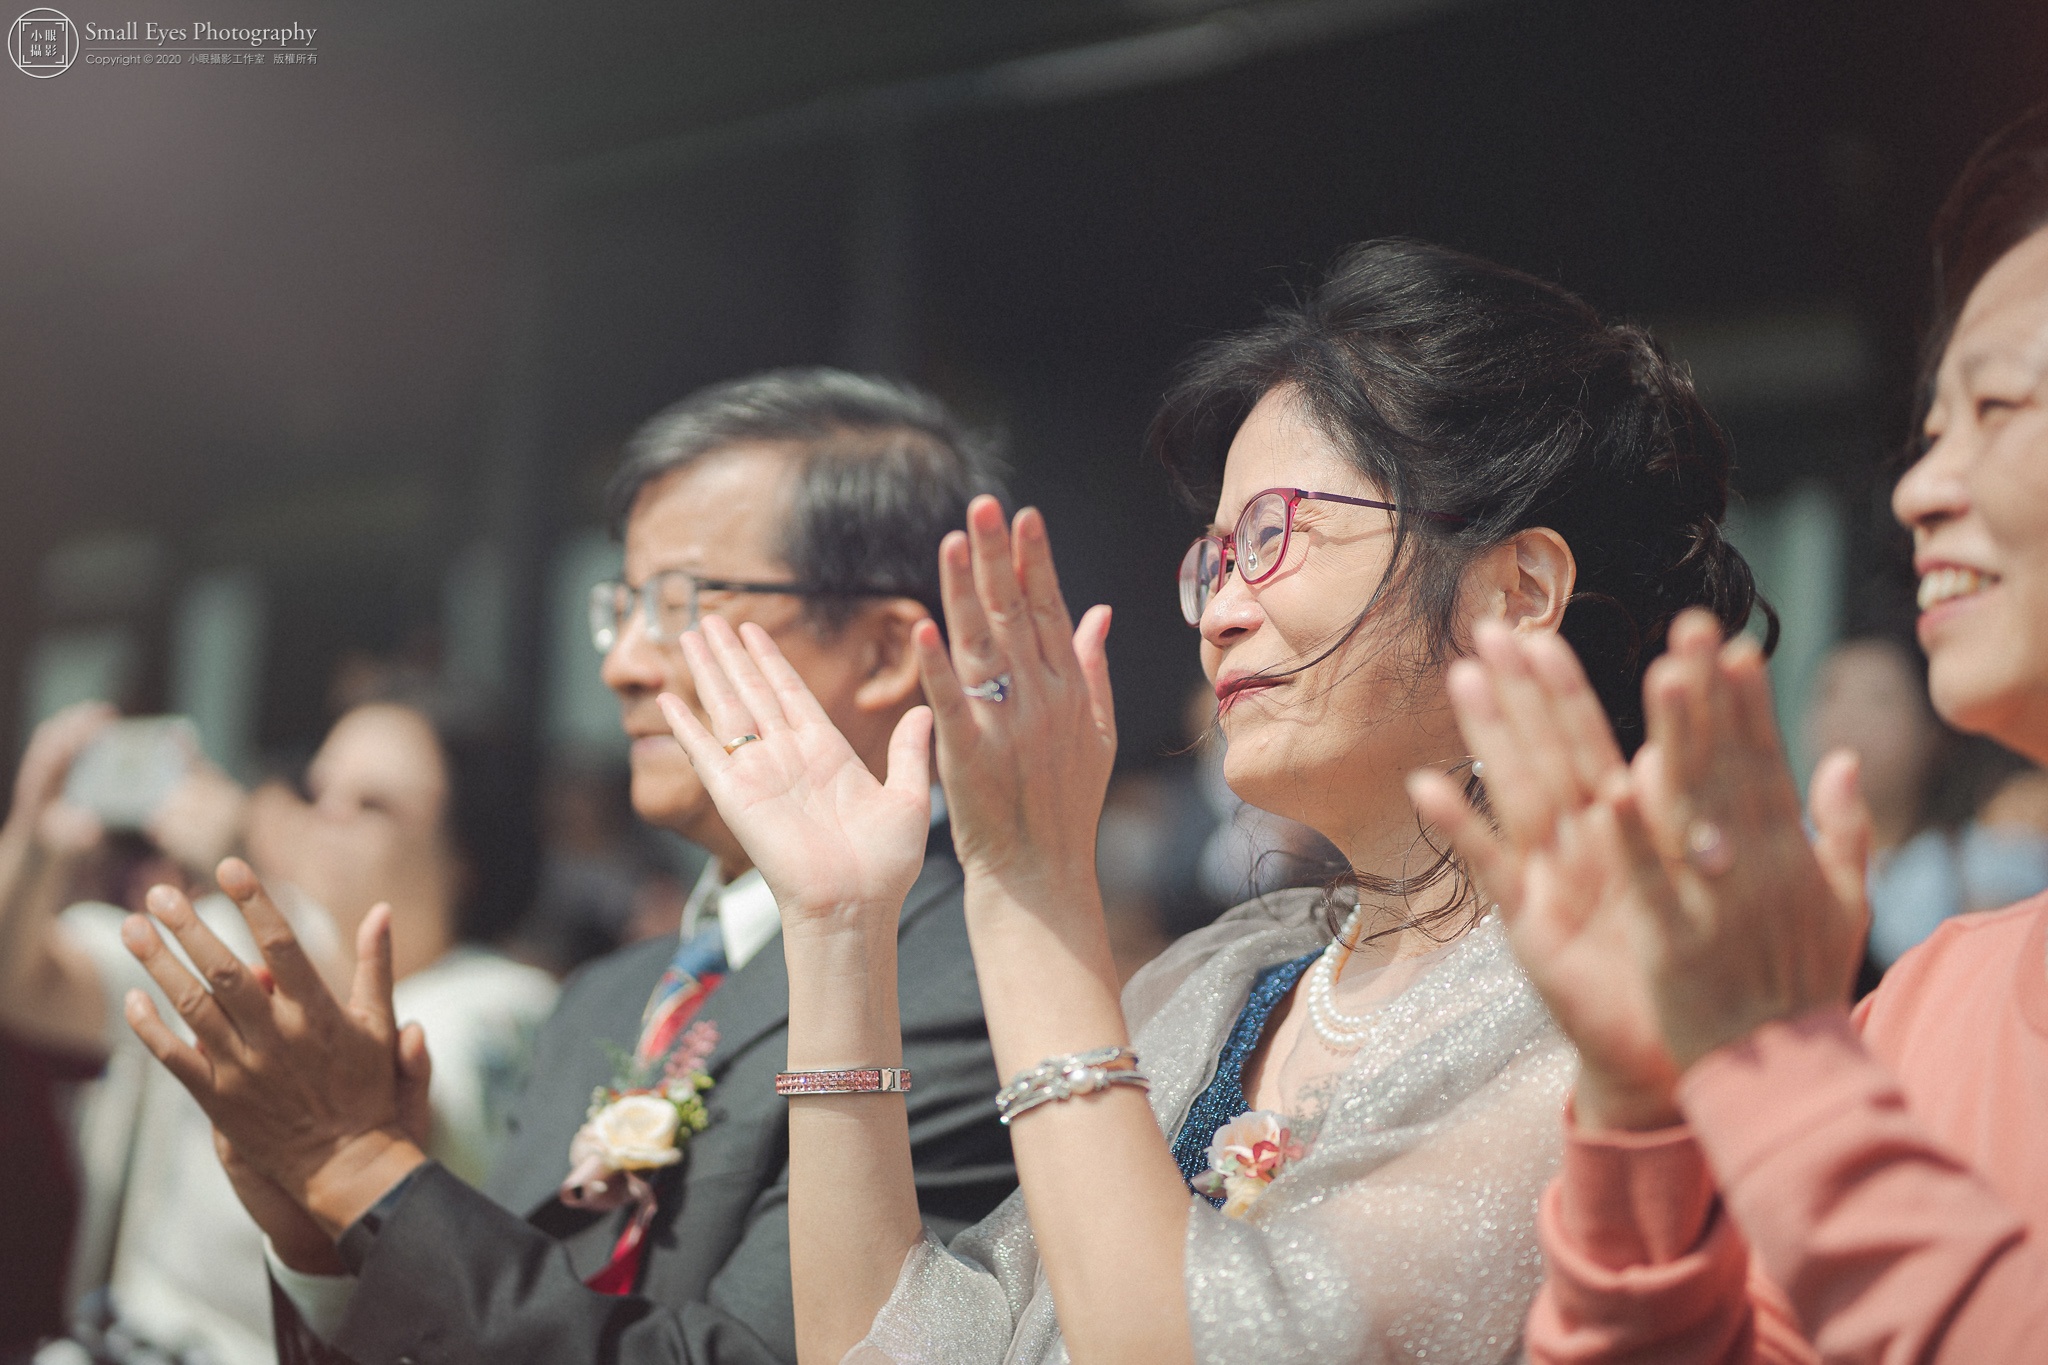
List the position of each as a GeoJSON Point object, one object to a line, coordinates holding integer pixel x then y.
{"type": "Point", "coordinates": [307, 1093]}
{"type": "Point", "coordinates": [300, 1242]}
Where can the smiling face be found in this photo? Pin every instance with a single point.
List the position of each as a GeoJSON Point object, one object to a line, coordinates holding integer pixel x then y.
{"type": "Point", "coordinates": [1977, 504]}
{"type": "Point", "coordinates": [1326, 742]}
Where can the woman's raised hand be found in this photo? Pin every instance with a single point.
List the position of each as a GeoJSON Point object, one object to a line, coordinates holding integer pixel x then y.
{"type": "Point", "coordinates": [1665, 908]}
{"type": "Point", "coordinates": [1026, 726]}
{"type": "Point", "coordinates": [829, 839]}
{"type": "Point", "coordinates": [1755, 923]}
{"type": "Point", "coordinates": [39, 814]}
{"type": "Point", "coordinates": [1561, 865]}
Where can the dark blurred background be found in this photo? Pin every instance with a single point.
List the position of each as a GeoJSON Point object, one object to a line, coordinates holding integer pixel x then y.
{"type": "Point", "coordinates": [307, 370]}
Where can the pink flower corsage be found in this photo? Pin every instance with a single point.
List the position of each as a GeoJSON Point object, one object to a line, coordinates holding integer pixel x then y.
{"type": "Point", "coordinates": [640, 1123]}
{"type": "Point", "coordinates": [1246, 1155]}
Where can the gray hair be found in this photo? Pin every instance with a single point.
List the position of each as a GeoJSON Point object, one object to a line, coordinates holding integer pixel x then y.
{"type": "Point", "coordinates": [884, 471]}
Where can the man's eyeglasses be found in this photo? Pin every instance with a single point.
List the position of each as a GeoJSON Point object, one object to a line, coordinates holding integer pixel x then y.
{"type": "Point", "coordinates": [670, 602]}
{"type": "Point", "coordinates": [1257, 544]}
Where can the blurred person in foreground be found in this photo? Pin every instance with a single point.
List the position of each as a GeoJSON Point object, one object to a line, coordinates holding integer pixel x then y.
{"type": "Point", "coordinates": [648, 1222]}
{"type": "Point", "coordinates": [1934, 851]}
{"type": "Point", "coordinates": [1754, 1172]}
{"type": "Point", "coordinates": [399, 813]}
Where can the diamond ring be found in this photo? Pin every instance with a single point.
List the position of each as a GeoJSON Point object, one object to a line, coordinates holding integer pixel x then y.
{"type": "Point", "coordinates": [1708, 849]}
{"type": "Point", "coordinates": [996, 689]}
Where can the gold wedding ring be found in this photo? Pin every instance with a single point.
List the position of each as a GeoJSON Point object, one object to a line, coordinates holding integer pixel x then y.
{"type": "Point", "coordinates": [732, 744]}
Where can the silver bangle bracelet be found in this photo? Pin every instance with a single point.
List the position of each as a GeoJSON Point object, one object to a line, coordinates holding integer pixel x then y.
{"type": "Point", "coordinates": [1062, 1078]}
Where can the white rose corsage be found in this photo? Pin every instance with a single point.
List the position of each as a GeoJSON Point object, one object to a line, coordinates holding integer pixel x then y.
{"type": "Point", "coordinates": [1245, 1157]}
{"type": "Point", "coordinates": [640, 1123]}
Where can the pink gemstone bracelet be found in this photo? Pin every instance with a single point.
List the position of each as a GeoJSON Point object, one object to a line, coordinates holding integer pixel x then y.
{"type": "Point", "coordinates": [863, 1080]}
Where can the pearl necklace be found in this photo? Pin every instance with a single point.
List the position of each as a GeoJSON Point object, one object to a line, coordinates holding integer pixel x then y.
{"type": "Point", "coordinates": [1340, 1032]}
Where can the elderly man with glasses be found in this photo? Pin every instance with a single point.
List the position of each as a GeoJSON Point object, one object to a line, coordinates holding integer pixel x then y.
{"type": "Point", "coordinates": [640, 1210]}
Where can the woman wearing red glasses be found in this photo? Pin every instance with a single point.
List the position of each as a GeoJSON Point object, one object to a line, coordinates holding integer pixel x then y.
{"type": "Point", "coordinates": [1316, 1130]}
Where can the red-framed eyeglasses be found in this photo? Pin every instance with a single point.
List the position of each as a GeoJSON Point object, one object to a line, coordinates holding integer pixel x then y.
{"type": "Point", "coordinates": [1257, 544]}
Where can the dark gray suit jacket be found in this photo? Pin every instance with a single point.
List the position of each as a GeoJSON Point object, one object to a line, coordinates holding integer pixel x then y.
{"type": "Point", "coordinates": [455, 1276]}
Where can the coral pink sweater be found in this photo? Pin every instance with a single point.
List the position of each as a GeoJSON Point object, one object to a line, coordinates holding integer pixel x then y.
{"type": "Point", "coordinates": [1890, 1170]}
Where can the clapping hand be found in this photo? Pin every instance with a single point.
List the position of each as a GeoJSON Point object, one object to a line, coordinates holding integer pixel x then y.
{"type": "Point", "coordinates": [831, 841]}
{"type": "Point", "coordinates": [299, 1241]}
{"type": "Point", "coordinates": [308, 1092]}
{"type": "Point", "coordinates": [1026, 764]}
{"type": "Point", "coordinates": [1666, 907]}
{"type": "Point", "coordinates": [1559, 865]}
{"type": "Point", "coordinates": [1753, 922]}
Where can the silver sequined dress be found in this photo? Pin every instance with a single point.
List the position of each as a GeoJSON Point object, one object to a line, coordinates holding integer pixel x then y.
{"type": "Point", "coordinates": [1407, 1231]}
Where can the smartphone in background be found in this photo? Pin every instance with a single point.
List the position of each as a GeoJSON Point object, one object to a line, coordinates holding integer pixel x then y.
{"type": "Point", "coordinates": [126, 774]}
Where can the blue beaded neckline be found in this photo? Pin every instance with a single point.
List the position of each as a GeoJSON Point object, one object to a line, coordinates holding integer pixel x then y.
{"type": "Point", "coordinates": [1224, 1099]}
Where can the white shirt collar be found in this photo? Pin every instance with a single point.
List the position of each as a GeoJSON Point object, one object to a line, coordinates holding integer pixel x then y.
{"type": "Point", "coordinates": [747, 917]}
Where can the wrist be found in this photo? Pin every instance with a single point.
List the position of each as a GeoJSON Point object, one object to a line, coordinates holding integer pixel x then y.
{"type": "Point", "coordinates": [1600, 1102]}
{"type": "Point", "coordinates": [842, 924]}
{"type": "Point", "coordinates": [307, 1255]}
{"type": "Point", "coordinates": [1022, 935]}
{"type": "Point", "coordinates": [359, 1173]}
{"type": "Point", "coordinates": [842, 996]}
{"type": "Point", "coordinates": [1026, 881]}
{"type": "Point", "coordinates": [1063, 905]}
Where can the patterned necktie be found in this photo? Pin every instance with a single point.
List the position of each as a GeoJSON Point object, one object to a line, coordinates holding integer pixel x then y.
{"type": "Point", "coordinates": [694, 972]}
{"type": "Point", "coordinates": [692, 975]}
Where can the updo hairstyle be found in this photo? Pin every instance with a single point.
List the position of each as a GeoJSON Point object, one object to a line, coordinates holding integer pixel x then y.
{"type": "Point", "coordinates": [1461, 387]}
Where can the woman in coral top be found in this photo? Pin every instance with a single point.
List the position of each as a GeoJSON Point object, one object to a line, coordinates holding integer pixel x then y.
{"type": "Point", "coordinates": [1753, 1172]}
